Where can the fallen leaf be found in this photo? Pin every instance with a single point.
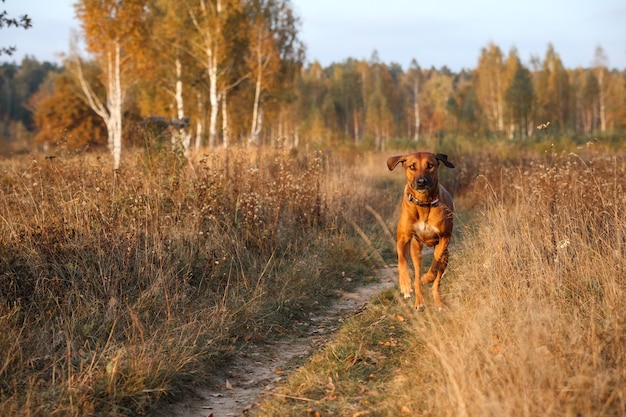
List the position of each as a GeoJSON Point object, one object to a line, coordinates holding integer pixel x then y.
{"type": "Point", "coordinates": [228, 386]}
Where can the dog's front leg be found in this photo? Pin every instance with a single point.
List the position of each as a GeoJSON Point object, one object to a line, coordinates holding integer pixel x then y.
{"type": "Point", "coordinates": [438, 267]}
{"type": "Point", "coordinates": [403, 265]}
{"type": "Point", "coordinates": [416, 257]}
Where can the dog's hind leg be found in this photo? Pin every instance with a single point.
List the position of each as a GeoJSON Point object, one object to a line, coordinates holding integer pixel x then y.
{"type": "Point", "coordinates": [438, 267]}
{"type": "Point", "coordinates": [440, 262]}
{"type": "Point", "coordinates": [438, 303]}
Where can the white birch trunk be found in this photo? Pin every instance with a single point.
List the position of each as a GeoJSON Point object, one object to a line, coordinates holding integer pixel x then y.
{"type": "Point", "coordinates": [213, 95]}
{"type": "Point", "coordinates": [355, 122]}
{"type": "Point", "coordinates": [602, 100]}
{"type": "Point", "coordinates": [209, 31]}
{"type": "Point", "coordinates": [115, 106]}
{"type": "Point", "coordinates": [111, 113]}
{"type": "Point", "coordinates": [199, 121]}
{"type": "Point", "coordinates": [182, 137]}
{"type": "Point", "coordinates": [416, 109]}
{"type": "Point", "coordinates": [225, 135]}
{"type": "Point", "coordinates": [255, 130]}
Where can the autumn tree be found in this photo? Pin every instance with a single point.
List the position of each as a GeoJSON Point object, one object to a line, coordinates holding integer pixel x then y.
{"type": "Point", "coordinates": [169, 72]}
{"type": "Point", "coordinates": [615, 97]}
{"type": "Point", "coordinates": [17, 84]}
{"type": "Point", "coordinates": [262, 60]}
{"type": "Point", "coordinates": [313, 93]}
{"type": "Point", "coordinates": [114, 33]}
{"type": "Point", "coordinates": [463, 107]}
{"type": "Point", "coordinates": [63, 118]}
{"type": "Point", "coordinates": [346, 93]}
{"type": "Point", "coordinates": [601, 72]}
{"type": "Point", "coordinates": [275, 53]}
{"type": "Point", "coordinates": [518, 97]}
{"type": "Point", "coordinates": [413, 81]}
{"type": "Point", "coordinates": [552, 88]}
{"type": "Point", "coordinates": [591, 100]}
{"type": "Point", "coordinates": [378, 116]}
{"type": "Point", "coordinates": [436, 89]}
{"type": "Point", "coordinates": [490, 86]}
{"type": "Point", "coordinates": [211, 19]}
{"type": "Point", "coordinates": [352, 99]}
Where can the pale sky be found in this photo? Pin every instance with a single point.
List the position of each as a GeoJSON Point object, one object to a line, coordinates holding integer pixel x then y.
{"type": "Point", "coordinates": [433, 32]}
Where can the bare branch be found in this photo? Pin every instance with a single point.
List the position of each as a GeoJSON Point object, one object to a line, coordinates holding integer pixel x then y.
{"type": "Point", "coordinates": [23, 21]}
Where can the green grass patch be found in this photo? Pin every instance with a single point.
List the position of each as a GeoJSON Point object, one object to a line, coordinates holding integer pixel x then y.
{"type": "Point", "coordinates": [351, 374]}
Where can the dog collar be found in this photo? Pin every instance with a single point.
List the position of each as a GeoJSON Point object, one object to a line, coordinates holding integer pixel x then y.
{"type": "Point", "coordinates": [415, 201]}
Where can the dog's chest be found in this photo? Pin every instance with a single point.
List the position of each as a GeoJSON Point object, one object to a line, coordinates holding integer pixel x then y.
{"type": "Point", "coordinates": [426, 232]}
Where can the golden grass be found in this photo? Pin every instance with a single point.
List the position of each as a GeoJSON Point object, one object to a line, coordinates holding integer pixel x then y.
{"type": "Point", "coordinates": [536, 323]}
{"type": "Point", "coordinates": [117, 290]}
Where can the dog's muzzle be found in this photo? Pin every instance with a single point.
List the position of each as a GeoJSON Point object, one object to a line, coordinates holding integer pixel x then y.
{"type": "Point", "coordinates": [422, 184]}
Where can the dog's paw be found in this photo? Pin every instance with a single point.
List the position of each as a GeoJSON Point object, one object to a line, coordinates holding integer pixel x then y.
{"type": "Point", "coordinates": [420, 307]}
{"type": "Point", "coordinates": [406, 291]}
{"type": "Point", "coordinates": [427, 278]}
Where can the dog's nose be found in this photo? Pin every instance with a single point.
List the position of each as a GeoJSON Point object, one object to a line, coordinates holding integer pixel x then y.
{"type": "Point", "coordinates": [421, 182]}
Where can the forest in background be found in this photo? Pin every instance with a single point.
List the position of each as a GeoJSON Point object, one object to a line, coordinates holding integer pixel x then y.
{"type": "Point", "coordinates": [231, 72]}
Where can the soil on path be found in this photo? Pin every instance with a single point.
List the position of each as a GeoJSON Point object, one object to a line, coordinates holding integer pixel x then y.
{"type": "Point", "coordinates": [236, 390]}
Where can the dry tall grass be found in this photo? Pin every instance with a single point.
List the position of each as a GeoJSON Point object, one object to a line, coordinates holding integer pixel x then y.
{"type": "Point", "coordinates": [120, 289]}
{"type": "Point", "coordinates": [538, 318]}
{"type": "Point", "coordinates": [536, 290]}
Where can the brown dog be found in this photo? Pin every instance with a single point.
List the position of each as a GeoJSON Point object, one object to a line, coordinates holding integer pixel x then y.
{"type": "Point", "coordinates": [426, 219]}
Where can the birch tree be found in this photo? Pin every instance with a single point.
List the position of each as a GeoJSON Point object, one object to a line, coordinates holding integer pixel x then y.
{"type": "Point", "coordinates": [378, 115]}
{"type": "Point", "coordinates": [274, 54]}
{"type": "Point", "coordinates": [489, 86]}
{"type": "Point", "coordinates": [552, 87]}
{"type": "Point", "coordinates": [171, 63]}
{"type": "Point", "coordinates": [263, 60]}
{"type": "Point", "coordinates": [113, 30]}
{"type": "Point", "coordinates": [210, 19]}
{"type": "Point", "coordinates": [414, 75]}
{"type": "Point", "coordinates": [600, 63]}
{"type": "Point", "coordinates": [519, 98]}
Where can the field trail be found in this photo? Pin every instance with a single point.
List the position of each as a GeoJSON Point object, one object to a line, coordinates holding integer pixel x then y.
{"type": "Point", "coordinates": [236, 389]}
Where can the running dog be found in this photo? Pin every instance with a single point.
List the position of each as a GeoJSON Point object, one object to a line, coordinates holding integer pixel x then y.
{"type": "Point", "coordinates": [426, 219]}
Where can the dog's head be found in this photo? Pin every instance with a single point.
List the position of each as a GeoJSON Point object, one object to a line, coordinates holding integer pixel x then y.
{"type": "Point", "coordinates": [420, 168]}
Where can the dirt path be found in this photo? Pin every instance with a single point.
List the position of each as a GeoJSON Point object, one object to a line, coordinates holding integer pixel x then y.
{"type": "Point", "coordinates": [238, 388]}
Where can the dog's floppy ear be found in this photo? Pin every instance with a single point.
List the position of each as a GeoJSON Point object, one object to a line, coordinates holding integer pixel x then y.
{"type": "Point", "coordinates": [395, 160]}
{"type": "Point", "coordinates": [443, 158]}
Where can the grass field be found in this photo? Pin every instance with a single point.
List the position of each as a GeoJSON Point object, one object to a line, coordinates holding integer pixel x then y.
{"type": "Point", "coordinates": [118, 290]}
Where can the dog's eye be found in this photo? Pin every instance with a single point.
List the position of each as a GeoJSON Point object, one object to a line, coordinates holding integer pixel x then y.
{"type": "Point", "coordinates": [412, 167]}
{"type": "Point", "coordinates": [430, 165]}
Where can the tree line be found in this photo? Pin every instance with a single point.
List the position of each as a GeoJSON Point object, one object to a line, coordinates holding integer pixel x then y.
{"type": "Point", "coordinates": [209, 73]}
